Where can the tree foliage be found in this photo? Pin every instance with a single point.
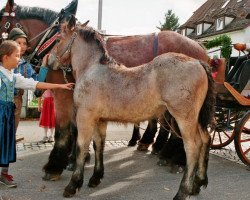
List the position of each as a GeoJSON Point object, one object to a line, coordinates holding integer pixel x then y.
{"type": "Point", "coordinates": [171, 22]}
{"type": "Point", "coordinates": [225, 42]}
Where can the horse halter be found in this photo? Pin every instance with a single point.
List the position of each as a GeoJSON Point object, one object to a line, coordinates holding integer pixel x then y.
{"type": "Point", "coordinates": [67, 50]}
{"type": "Point", "coordinates": [65, 67]}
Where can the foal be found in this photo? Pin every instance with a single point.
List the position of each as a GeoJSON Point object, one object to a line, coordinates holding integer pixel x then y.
{"type": "Point", "coordinates": [107, 91]}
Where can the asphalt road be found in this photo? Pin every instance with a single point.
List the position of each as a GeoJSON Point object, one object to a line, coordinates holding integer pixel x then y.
{"type": "Point", "coordinates": [129, 174]}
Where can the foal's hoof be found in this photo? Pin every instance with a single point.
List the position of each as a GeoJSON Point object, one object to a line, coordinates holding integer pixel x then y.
{"type": "Point", "coordinates": [93, 182]}
{"type": "Point", "coordinates": [142, 147]}
{"type": "Point", "coordinates": [69, 192]}
{"type": "Point", "coordinates": [51, 177]}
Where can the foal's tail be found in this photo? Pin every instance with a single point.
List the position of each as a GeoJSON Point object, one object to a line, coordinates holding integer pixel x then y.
{"type": "Point", "coordinates": [208, 108]}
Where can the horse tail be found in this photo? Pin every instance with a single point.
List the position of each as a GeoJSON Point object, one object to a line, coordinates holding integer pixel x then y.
{"type": "Point", "coordinates": [208, 108]}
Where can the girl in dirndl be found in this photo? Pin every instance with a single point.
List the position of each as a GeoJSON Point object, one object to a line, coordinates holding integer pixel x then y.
{"type": "Point", "coordinates": [9, 59]}
{"type": "Point", "coordinates": [47, 118]}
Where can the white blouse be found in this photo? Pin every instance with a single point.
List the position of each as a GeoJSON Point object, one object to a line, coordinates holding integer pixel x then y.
{"type": "Point", "coordinates": [21, 82]}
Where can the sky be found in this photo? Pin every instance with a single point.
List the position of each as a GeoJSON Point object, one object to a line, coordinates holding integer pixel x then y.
{"type": "Point", "coordinates": [123, 17]}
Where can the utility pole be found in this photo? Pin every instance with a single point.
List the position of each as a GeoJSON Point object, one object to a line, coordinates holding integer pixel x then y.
{"type": "Point", "coordinates": [100, 15]}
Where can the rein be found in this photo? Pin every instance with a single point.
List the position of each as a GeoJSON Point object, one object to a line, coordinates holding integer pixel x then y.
{"type": "Point", "coordinates": [46, 31]}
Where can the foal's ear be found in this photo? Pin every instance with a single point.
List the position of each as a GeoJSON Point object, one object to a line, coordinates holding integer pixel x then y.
{"type": "Point", "coordinates": [85, 24]}
{"type": "Point", "coordinates": [72, 22]}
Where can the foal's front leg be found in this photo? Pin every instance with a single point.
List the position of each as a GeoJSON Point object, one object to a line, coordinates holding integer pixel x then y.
{"type": "Point", "coordinates": [99, 143]}
{"type": "Point", "coordinates": [85, 126]}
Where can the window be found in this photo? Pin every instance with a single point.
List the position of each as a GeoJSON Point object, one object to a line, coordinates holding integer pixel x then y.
{"type": "Point", "coordinates": [199, 29]}
{"type": "Point", "coordinates": [219, 24]}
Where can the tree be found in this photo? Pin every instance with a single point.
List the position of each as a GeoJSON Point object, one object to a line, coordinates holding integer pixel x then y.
{"type": "Point", "coordinates": [171, 22]}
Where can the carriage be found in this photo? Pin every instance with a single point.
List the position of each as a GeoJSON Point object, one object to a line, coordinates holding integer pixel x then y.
{"type": "Point", "coordinates": [232, 108]}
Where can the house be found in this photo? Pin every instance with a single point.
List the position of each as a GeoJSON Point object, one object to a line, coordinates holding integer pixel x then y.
{"type": "Point", "coordinates": [218, 17]}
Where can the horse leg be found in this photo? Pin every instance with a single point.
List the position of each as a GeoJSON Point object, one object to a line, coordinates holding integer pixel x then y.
{"type": "Point", "coordinates": [201, 176]}
{"type": "Point", "coordinates": [173, 152]}
{"type": "Point", "coordinates": [85, 125]}
{"type": "Point", "coordinates": [163, 135]}
{"type": "Point", "coordinates": [135, 136]}
{"type": "Point", "coordinates": [148, 136]}
{"type": "Point", "coordinates": [72, 156]}
{"type": "Point", "coordinates": [192, 144]}
{"type": "Point", "coordinates": [58, 158]}
{"type": "Point", "coordinates": [99, 143]}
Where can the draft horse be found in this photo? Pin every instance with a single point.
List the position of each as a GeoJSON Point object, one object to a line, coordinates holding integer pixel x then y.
{"type": "Point", "coordinates": [108, 91]}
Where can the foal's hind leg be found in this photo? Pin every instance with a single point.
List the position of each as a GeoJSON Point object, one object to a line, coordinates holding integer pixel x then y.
{"type": "Point", "coordinates": [99, 143]}
{"type": "Point", "coordinates": [201, 176]}
{"type": "Point", "coordinates": [192, 144]}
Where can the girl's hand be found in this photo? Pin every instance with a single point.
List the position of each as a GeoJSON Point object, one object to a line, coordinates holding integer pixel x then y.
{"type": "Point", "coordinates": [68, 86]}
{"type": "Point", "coordinates": [39, 109]}
{"type": "Point", "coordinates": [45, 60]}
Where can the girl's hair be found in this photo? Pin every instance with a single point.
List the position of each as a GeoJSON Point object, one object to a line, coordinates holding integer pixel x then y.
{"type": "Point", "coordinates": [7, 48]}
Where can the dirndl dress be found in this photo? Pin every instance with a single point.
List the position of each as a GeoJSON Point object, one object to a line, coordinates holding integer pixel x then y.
{"type": "Point", "coordinates": [47, 117]}
{"type": "Point", "coordinates": [7, 119]}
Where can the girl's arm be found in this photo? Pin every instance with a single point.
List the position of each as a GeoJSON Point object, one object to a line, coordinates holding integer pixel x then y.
{"type": "Point", "coordinates": [43, 69]}
{"type": "Point", "coordinates": [29, 83]}
{"type": "Point", "coordinates": [41, 85]}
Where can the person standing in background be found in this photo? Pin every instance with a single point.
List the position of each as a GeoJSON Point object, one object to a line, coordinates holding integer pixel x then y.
{"type": "Point", "coordinates": [24, 68]}
{"type": "Point", "coordinates": [47, 117]}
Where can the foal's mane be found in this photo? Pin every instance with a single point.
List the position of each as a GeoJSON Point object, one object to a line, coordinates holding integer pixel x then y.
{"type": "Point", "coordinates": [26, 12]}
{"type": "Point", "coordinates": [88, 34]}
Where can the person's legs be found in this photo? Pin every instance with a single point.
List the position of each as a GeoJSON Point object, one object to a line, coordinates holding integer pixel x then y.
{"type": "Point", "coordinates": [51, 134]}
{"type": "Point", "coordinates": [45, 138]}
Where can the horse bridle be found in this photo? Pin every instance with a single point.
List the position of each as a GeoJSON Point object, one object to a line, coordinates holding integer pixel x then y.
{"type": "Point", "coordinates": [66, 68]}
{"type": "Point", "coordinates": [67, 50]}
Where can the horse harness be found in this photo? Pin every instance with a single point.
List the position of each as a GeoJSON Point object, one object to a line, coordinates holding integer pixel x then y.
{"type": "Point", "coordinates": [9, 21]}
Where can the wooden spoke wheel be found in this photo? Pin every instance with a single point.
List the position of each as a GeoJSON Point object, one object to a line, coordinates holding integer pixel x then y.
{"type": "Point", "coordinates": [223, 134]}
{"type": "Point", "coordinates": [242, 139]}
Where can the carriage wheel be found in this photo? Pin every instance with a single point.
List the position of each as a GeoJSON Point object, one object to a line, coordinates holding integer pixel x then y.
{"type": "Point", "coordinates": [242, 139]}
{"type": "Point", "coordinates": [223, 134]}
